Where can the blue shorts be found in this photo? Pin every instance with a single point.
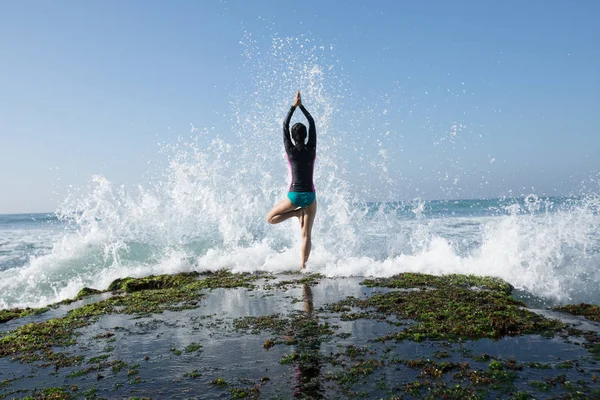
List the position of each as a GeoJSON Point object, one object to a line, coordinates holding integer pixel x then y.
{"type": "Point", "coordinates": [302, 199]}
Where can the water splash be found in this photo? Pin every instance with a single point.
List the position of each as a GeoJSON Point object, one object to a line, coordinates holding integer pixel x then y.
{"type": "Point", "coordinates": [206, 210]}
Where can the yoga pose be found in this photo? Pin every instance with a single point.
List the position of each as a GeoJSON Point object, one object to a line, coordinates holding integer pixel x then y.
{"type": "Point", "coordinates": [301, 201]}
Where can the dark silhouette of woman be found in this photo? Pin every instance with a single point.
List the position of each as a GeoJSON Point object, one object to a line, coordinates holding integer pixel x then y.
{"type": "Point", "coordinates": [301, 201]}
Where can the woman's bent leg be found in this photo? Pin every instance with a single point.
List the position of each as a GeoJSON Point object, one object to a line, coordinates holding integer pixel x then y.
{"type": "Point", "coordinates": [282, 211]}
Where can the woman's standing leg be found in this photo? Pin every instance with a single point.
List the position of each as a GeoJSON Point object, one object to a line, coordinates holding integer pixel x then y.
{"type": "Point", "coordinates": [307, 219]}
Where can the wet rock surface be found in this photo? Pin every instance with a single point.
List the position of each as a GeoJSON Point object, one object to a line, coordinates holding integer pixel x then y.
{"type": "Point", "coordinates": [225, 335]}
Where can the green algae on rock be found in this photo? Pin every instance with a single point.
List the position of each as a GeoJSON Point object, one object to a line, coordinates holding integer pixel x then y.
{"type": "Point", "coordinates": [589, 311]}
{"type": "Point", "coordinates": [193, 374]}
{"type": "Point", "coordinates": [327, 360]}
{"type": "Point", "coordinates": [192, 347]}
{"type": "Point", "coordinates": [415, 280]}
{"type": "Point", "coordinates": [115, 366]}
{"type": "Point", "coordinates": [245, 393]}
{"type": "Point", "coordinates": [298, 324]}
{"type": "Point", "coordinates": [458, 313]}
{"type": "Point", "coordinates": [448, 307]}
{"type": "Point", "coordinates": [142, 303]}
{"type": "Point", "coordinates": [152, 282]}
{"type": "Point", "coordinates": [145, 296]}
{"type": "Point", "coordinates": [34, 342]}
{"type": "Point", "coordinates": [185, 282]}
{"type": "Point", "coordinates": [224, 279]}
{"type": "Point", "coordinates": [86, 292]}
{"type": "Point", "coordinates": [310, 279]}
{"type": "Point", "coordinates": [7, 315]}
{"type": "Point", "coordinates": [219, 381]}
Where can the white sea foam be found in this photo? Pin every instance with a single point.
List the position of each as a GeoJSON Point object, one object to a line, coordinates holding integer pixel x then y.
{"type": "Point", "coordinates": [552, 255]}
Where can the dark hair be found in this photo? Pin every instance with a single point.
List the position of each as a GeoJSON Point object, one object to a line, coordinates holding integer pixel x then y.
{"type": "Point", "coordinates": [299, 135]}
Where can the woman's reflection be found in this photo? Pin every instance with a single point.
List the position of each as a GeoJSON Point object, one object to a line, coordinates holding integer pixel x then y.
{"type": "Point", "coordinates": [308, 345]}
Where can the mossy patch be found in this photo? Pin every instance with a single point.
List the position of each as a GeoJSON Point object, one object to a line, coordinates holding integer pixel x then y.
{"type": "Point", "coordinates": [142, 303]}
{"type": "Point", "coordinates": [297, 324]}
{"type": "Point", "coordinates": [152, 282]}
{"type": "Point", "coordinates": [219, 382]}
{"type": "Point", "coordinates": [357, 373]}
{"type": "Point", "coordinates": [192, 347]}
{"type": "Point", "coordinates": [453, 312]}
{"type": "Point", "coordinates": [440, 390]}
{"type": "Point", "coordinates": [33, 342]}
{"type": "Point", "coordinates": [52, 393]}
{"type": "Point", "coordinates": [188, 281]}
{"type": "Point", "coordinates": [538, 365]}
{"type": "Point", "coordinates": [539, 385]}
{"type": "Point", "coordinates": [363, 365]}
{"type": "Point", "coordinates": [414, 280]}
{"type": "Point", "coordinates": [86, 291]}
{"type": "Point", "coordinates": [226, 280]}
{"type": "Point", "coordinates": [144, 296]}
{"type": "Point", "coordinates": [589, 311]}
{"type": "Point", "coordinates": [245, 393]}
{"type": "Point", "coordinates": [495, 378]}
{"type": "Point", "coordinates": [98, 365]}
{"type": "Point", "coordinates": [7, 315]}
{"type": "Point", "coordinates": [193, 374]}
{"type": "Point", "coordinates": [274, 323]}
{"type": "Point", "coordinates": [98, 359]}
{"type": "Point", "coordinates": [311, 279]}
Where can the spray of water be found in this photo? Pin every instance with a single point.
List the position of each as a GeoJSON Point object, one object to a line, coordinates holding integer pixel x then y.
{"type": "Point", "coordinates": [206, 210]}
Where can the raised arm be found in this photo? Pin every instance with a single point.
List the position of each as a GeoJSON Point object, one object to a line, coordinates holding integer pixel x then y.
{"type": "Point", "coordinates": [287, 141]}
{"type": "Point", "coordinates": [312, 131]}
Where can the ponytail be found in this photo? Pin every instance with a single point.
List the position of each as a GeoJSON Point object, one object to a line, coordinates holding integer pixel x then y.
{"type": "Point", "coordinates": [299, 136]}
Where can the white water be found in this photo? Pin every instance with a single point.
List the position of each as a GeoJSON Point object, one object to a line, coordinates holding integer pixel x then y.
{"type": "Point", "coordinates": [206, 211]}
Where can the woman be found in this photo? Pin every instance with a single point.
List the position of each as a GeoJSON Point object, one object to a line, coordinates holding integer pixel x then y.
{"type": "Point", "coordinates": [301, 201]}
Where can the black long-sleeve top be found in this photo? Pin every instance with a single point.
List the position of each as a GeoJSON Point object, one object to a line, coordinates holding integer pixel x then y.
{"type": "Point", "coordinates": [302, 162]}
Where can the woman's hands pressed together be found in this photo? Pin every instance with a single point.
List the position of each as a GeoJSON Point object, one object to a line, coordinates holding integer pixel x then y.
{"type": "Point", "coordinates": [297, 100]}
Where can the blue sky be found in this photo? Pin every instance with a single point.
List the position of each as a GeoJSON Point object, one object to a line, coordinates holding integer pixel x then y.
{"type": "Point", "coordinates": [93, 87]}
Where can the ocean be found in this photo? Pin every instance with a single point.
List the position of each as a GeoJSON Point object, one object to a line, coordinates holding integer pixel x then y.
{"type": "Point", "coordinates": [547, 248]}
{"type": "Point", "coordinates": [205, 208]}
